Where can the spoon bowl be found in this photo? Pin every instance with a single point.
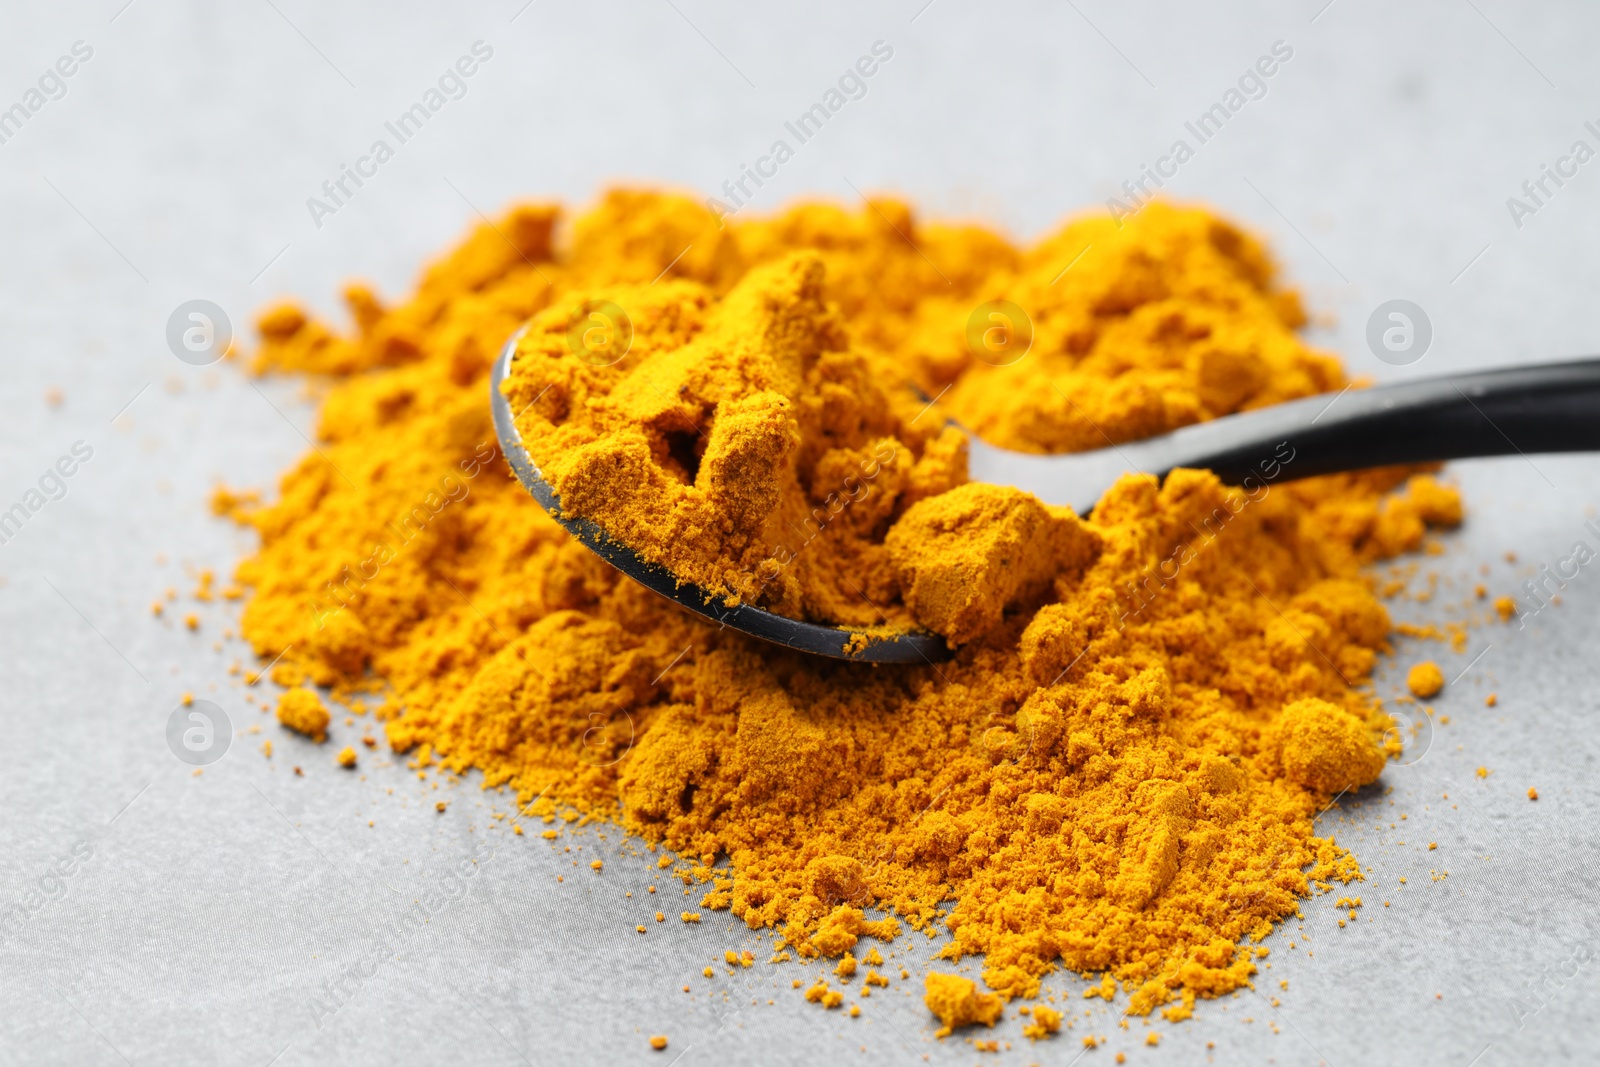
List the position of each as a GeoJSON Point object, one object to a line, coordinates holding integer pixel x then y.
{"type": "Point", "coordinates": [865, 646]}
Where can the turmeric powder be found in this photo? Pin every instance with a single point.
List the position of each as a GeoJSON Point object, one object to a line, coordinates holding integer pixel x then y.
{"type": "Point", "coordinates": [1118, 771]}
{"type": "Point", "coordinates": [736, 437]}
{"type": "Point", "coordinates": [301, 710]}
{"type": "Point", "coordinates": [957, 1002]}
{"type": "Point", "coordinates": [1046, 1021]}
{"type": "Point", "coordinates": [1425, 679]}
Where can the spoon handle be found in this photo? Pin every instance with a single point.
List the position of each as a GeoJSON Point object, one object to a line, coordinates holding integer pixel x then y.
{"type": "Point", "coordinates": [1550, 407]}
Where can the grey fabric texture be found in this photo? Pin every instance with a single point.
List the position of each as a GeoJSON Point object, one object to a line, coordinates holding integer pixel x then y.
{"type": "Point", "coordinates": [247, 915]}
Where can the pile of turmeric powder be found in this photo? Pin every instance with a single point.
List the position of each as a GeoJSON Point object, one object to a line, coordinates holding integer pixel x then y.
{"type": "Point", "coordinates": [1118, 770]}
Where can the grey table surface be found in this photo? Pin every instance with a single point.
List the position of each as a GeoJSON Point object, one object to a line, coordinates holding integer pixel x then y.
{"type": "Point", "coordinates": [234, 917]}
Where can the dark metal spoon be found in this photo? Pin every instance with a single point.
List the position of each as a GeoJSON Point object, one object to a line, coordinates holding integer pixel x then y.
{"type": "Point", "coordinates": [918, 647]}
{"type": "Point", "coordinates": [1552, 407]}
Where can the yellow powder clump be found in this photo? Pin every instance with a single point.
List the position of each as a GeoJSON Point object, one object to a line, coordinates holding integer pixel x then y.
{"type": "Point", "coordinates": [1436, 504]}
{"type": "Point", "coordinates": [1046, 1021]}
{"type": "Point", "coordinates": [347, 757]}
{"type": "Point", "coordinates": [1425, 679]}
{"type": "Point", "coordinates": [964, 556]}
{"type": "Point", "coordinates": [1325, 748]}
{"type": "Point", "coordinates": [821, 994]}
{"type": "Point", "coordinates": [1119, 769]}
{"type": "Point", "coordinates": [301, 709]}
{"type": "Point", "coordinates": [838, 931]}
{"type": "Point", "coordinates": [957, 1002]}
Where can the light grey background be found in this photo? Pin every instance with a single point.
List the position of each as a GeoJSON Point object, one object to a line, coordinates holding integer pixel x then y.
{"type": "Point", "coordinates": [214, 908]}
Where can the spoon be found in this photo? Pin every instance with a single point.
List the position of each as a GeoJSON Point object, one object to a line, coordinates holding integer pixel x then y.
{"type": "Point", "coordinates": [1551, 407]}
